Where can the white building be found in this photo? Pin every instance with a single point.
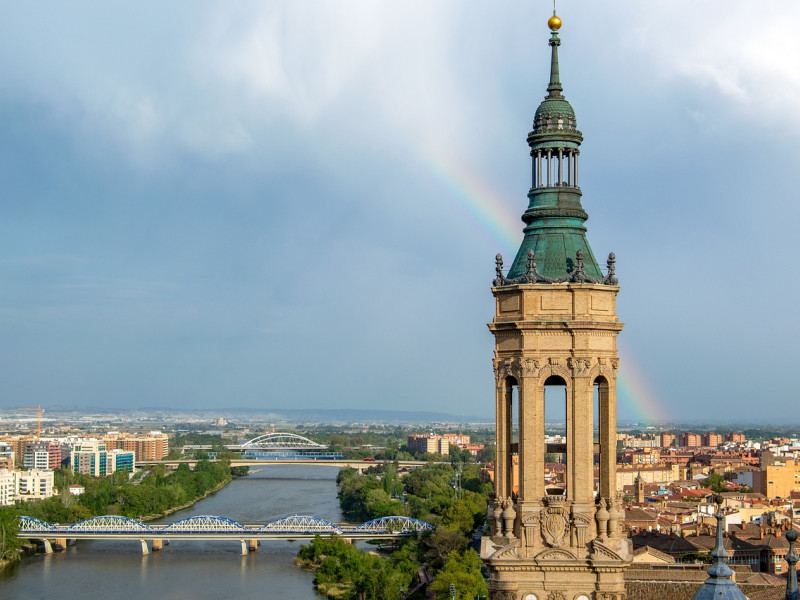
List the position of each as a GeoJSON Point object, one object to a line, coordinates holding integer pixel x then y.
{"type": "Point", "coordinates": [8, 489]}
{"type": "Point", "coordinates": [35, 484]}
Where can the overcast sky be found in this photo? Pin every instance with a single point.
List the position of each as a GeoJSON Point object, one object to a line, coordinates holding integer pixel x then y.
{"type": "Point", "coordinates": [297, 204]}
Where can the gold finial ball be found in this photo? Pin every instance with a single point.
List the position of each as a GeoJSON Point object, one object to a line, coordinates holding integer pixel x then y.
{"type": "Point", "coordinates": [554, 22]}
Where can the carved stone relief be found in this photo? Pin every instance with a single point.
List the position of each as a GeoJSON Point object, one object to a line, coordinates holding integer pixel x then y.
{"type": "Point", "coordinates": [555, 522]}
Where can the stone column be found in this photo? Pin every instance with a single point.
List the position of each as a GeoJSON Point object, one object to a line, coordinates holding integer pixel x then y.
{"type": "Point", "coordinates": [145, 549]}
{"type": "Point", "coordinates": [157, 545]}
{"type": "Point", "coordinates": [501, 443]}
{"type": "Point", "coordinates": [581, 460]}
{"type": "Point", "coordinates": [608, 438]}
{"type": "Point", "coordinates": [531, 436]}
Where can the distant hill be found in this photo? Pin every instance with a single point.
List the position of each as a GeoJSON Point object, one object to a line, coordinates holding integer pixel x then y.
{"type": "Point", "coordinates": [290, 415]}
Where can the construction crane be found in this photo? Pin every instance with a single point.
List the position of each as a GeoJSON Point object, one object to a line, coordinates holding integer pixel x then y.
{"type": "Point", "coordinates": [39, 410]}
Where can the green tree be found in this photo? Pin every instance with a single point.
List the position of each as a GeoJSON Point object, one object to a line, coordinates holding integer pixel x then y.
{"type": "Point", "coordinates": [464, 572]}
{"type": "Point", "coordinates": [715, 481]}
{"type": "Point", "coordinates": [9, 526]}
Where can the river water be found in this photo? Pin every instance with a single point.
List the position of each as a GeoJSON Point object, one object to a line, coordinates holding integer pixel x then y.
{"type": "Point", "coordinates": [193, 570]}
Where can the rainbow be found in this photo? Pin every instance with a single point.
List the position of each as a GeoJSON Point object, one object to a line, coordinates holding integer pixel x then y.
{"type": "Point", "coordinates": [499, 227]}
{"type": "Point", "coordinates": [635, 395]}
{"type": "Point", "coordinates": [491, 216]}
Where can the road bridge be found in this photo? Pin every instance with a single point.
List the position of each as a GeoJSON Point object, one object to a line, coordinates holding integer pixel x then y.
{"type": "Point", "coordinates": [209, 527]}
{"type": "Point", "coordinates": [360, 465]}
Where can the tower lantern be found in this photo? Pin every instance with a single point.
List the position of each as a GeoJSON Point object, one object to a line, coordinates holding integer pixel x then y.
{"type": "Point", "coordinates": [555, 324]}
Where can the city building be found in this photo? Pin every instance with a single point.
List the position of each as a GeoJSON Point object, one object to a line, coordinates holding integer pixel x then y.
{"type": "Point", "coordinates": [93, 458]}
{"type": "Point", "coordinates": [34, 484]}
{"type": "Point", "coordinates": [8, 487]}
{"type": "Point", "coordinates": [6, 455]}
{"type": "Point", "coordinates": [667, 440]}
{"type": "Point", "coordinates": [555, 324]}
{"type": "Point", "coordinates": [153, 446]}
{"type": "Point", "coordinates": [777, 479]}
{"type": "Point", "coordinates": [41, 454]}
{"type": "Point", "coordinates": [428, 443]}
{"type": "Point", "coordinates": [120, 460]}
{"type": "Point", "coordinates": [661, 474]}
{"type": "Point", "coordinates": [712, 440]}
{"type": "Point", "coordinates": [690, 440]}
{"type": "Point", "coordinates": [76, 489]}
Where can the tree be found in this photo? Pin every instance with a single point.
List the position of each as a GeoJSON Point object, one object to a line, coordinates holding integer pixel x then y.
{"type": "Point", "coordinates": [464, 572]}
{"type": "Point", "coordinates": [443, 542]}
{"type": "Point", "coordinates": [9, 526]}
{"type": "Point", "coordinates": [715, 481]}
{"type": "Point", "coordinates": [487, 454]}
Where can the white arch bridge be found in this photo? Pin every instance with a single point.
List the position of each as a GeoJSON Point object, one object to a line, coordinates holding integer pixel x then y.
{"type": "Point", "coordinates": [208, 527]}
{"type": "Point", "coordinates": [271, 443]}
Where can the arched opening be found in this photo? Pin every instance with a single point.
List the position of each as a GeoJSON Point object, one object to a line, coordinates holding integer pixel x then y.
{"type": "Point", "coordinates": [596, 437]}
{"type": "Point", "coordinates": [512, 435]}
{"type": "Point", "coordinates": [555, 436]}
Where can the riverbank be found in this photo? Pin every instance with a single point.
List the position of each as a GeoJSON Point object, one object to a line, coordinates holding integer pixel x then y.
{"type": "Point", "coordinates": [161, 491]}
{"type": "Point", "coordinates": [201, 570]}
{"type": "Point", "coordinates": [175, 509]}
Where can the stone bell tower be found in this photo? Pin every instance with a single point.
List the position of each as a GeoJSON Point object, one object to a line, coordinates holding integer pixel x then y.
{"type": "Point", "coordinates": [555, 325]}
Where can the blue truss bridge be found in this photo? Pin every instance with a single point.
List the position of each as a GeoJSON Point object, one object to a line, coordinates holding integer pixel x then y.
{"type": "Point", "coordinates": [208, 527]}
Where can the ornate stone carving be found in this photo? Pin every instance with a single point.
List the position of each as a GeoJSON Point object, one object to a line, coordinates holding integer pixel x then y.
{"type": "Point", "coordinates": [509, 367]}
{"type": "Point", "coordinates": [576, 275]}
{"type": "Point", "coordinates": [602, 519]}
{"type": "Point", "coordinates": [555, 554]}
{"type": "Point", "coordinates": [603, 552]}
{"type": "Point", "coordinates": [614, 515]}
{"type": "Point", "coordinates": [580, 523]}
{"type": "Point", "coordinates": [555, 522]}
{"type": "Point", "coordinates": [579, 366]}
{"type": "Point", "coordinates": [556, 595]}
{"type": "Point", "coordinates": [509, 514]}
{"type": "Point", "coordinates": [530, 367]}
{"type": "Point", "coordinates": [507, 551]}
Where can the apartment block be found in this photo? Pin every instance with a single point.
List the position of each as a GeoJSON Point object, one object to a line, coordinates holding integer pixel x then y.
{"type": "Point", "coordinates": [153, 446]}
{"type": "Point", "coordinates": [712, 440]}
{"type": "Point", "coordinates": [433, 444]}
{"type": "Point", "coordinates": [777, 480]}
{"type": "Point", "coordinates": [94, 458]}
{"type": "Point", "coordinates": [690, 440]}
{"type": "Point", "coordinates": [34, 484]}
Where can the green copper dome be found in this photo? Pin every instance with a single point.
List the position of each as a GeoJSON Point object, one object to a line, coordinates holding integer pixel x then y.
{"type": "Point", "coordinates": [554, 107]}
{"type": "Point", "coordinates": [555, 248]}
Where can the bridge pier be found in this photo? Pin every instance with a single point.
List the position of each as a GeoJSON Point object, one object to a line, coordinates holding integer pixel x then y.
{"type": "Point", "coordinates": [244, 547]}
{"type": "Point", "coordinates": [61, 543]}
{"type": "Point", "coordinates": [145, 549]}
{"type": "Point", "coordinates": [157, 545]}
{"type": "Point", "coordinates": [253, 545]}
{"type": "Point", "coordinates": [48, 547]}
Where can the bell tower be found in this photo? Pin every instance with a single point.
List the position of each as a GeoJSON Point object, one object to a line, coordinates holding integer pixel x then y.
{"type": "Point", "coordinates": [555, 324]}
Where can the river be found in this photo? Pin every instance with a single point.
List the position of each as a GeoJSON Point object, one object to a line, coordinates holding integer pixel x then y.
{"type": "Point", "coordinates": [193, 570]}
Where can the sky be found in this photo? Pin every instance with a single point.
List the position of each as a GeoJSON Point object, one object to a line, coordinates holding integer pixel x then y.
{"type": "Point", "coordinates": [297, 204]}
